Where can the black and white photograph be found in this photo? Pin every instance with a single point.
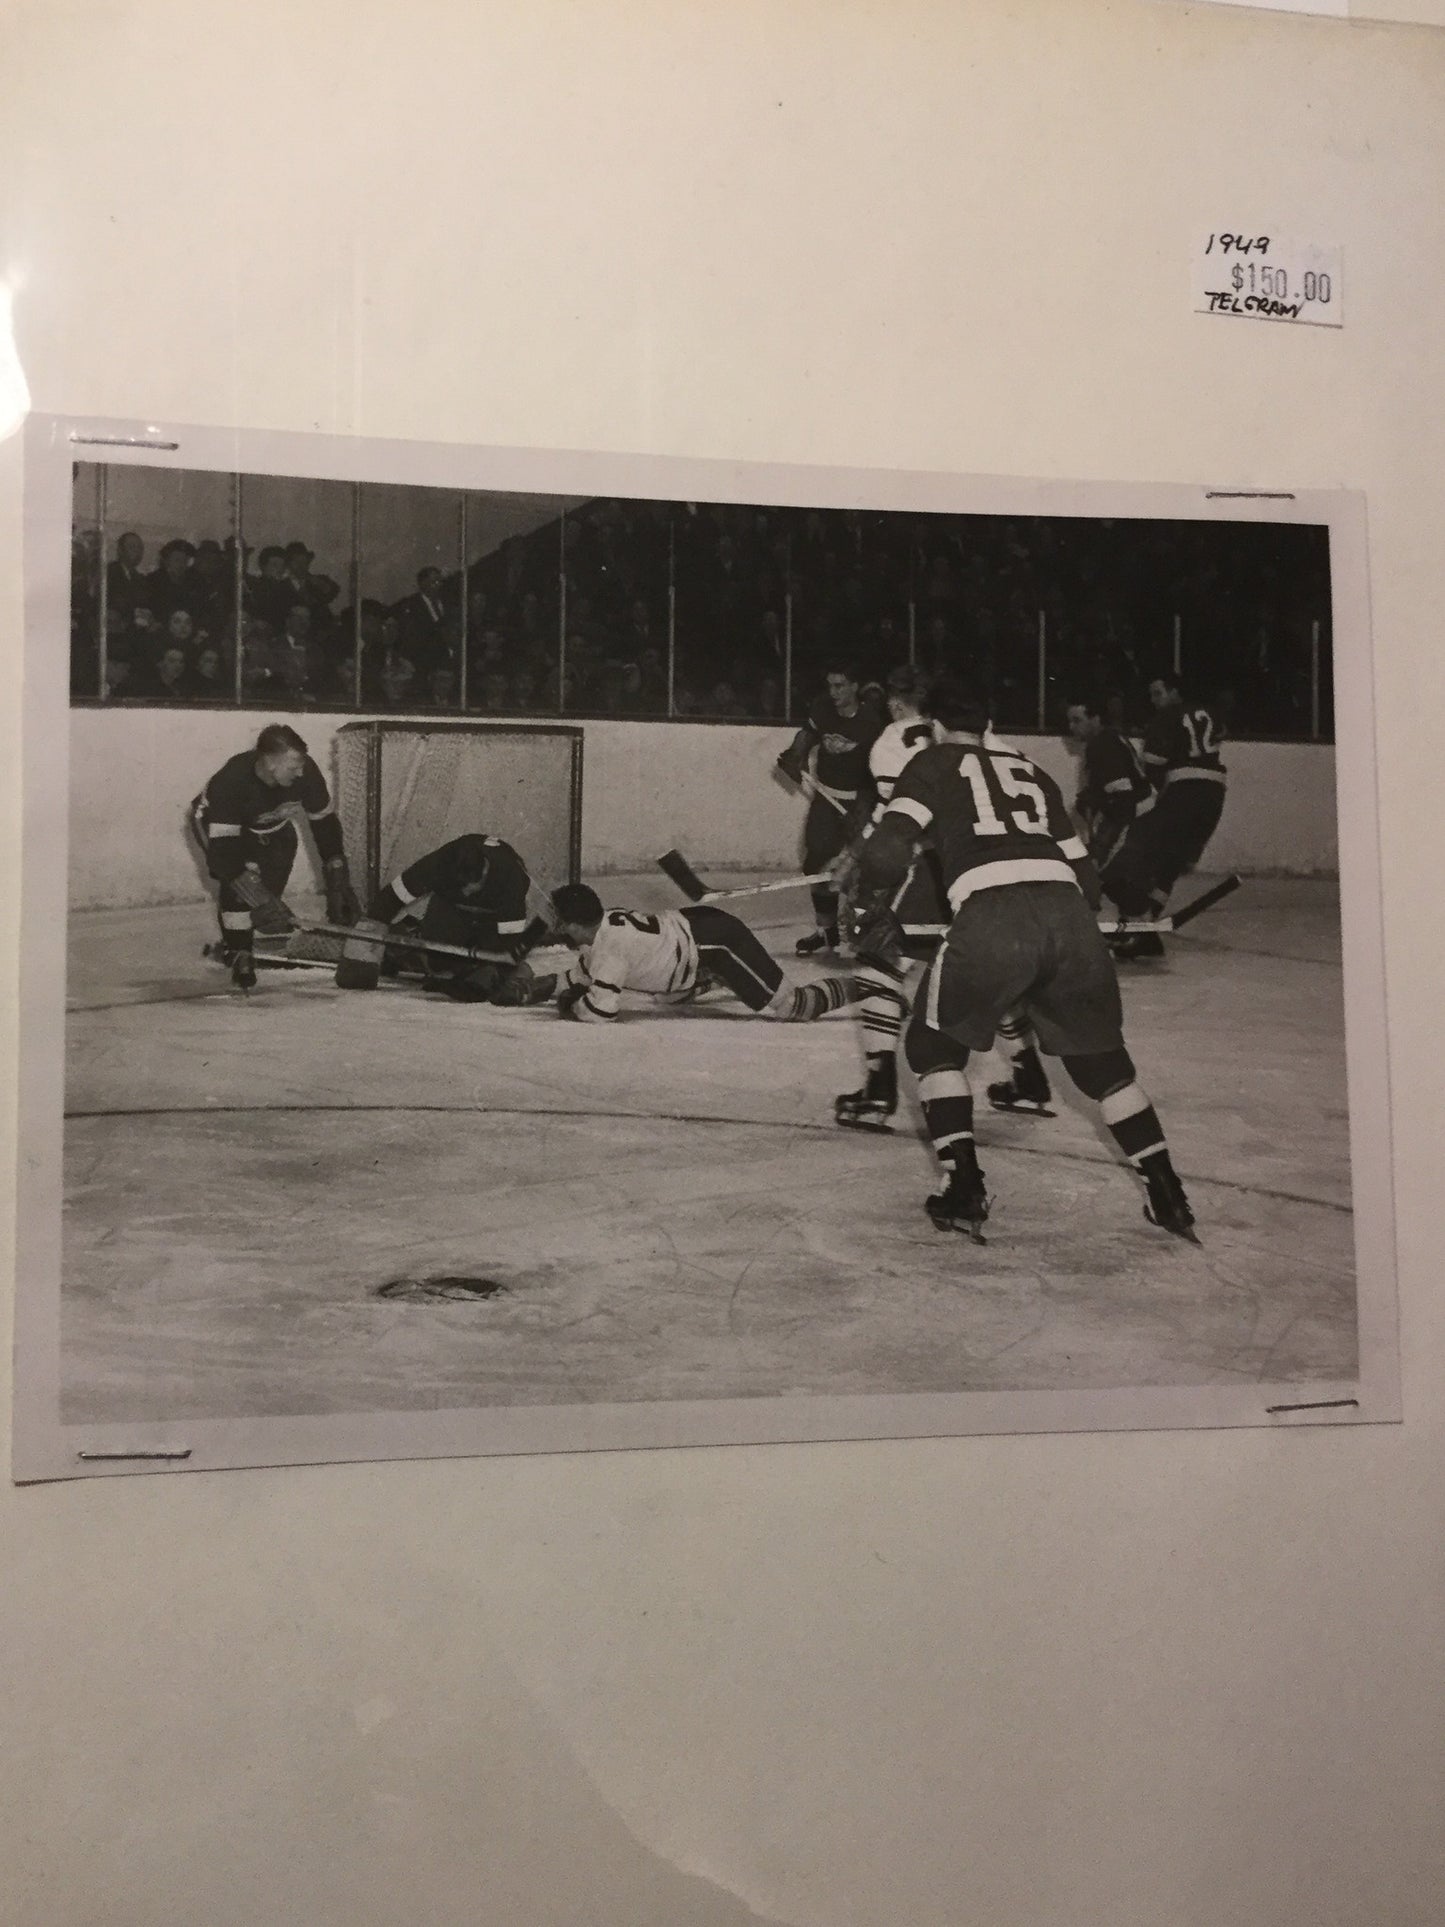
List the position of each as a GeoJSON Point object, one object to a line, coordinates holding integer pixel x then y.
{"type": "Point", "coordinates": [559, 952]}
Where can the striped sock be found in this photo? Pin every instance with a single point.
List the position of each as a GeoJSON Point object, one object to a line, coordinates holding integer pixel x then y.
{"type": "Point", "coordinates": [948, 1113]}
{"type": "Point", "coordinates": [881, 1009]}
{"type": "Point", "coordinates": [1134, 1123]}
{"type": "Point", "coordinates": [816, 1000]}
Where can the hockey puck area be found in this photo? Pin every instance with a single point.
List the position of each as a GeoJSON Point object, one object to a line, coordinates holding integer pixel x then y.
{"type": "Point", "coordinates": [447, 1288]}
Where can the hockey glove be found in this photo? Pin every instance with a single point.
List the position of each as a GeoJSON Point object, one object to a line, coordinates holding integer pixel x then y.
{"type": "Point", "coordinates": [791, 766]}
{"type": "Point", "coordinates": [342, 904]}
{"type": "Point", "coordinates": [269, 915]}
{"type": "Point", "coordinates": [878, 936]}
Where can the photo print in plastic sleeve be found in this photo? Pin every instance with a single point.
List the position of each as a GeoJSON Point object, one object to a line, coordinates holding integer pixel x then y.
{"type": "Point", "coordinates": [539, 952]}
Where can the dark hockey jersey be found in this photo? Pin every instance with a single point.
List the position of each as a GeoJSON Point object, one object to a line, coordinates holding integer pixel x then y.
{"type": "Point", "coordinates": [1183, 745]}
{"type": "Point", "coordinates": [841, 744]}
{"type": "Point", "coordinates": [237, 803]}
{"type": "Point", "coordinates": [991, 816]}
{"type": "Point", "coordinates": [479, 878]}
{"type": "Point", "coordinates": [1114, 780]}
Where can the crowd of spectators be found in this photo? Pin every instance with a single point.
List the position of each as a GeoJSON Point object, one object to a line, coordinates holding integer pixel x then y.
{"type": "Point", "coordinates": [577, 617]}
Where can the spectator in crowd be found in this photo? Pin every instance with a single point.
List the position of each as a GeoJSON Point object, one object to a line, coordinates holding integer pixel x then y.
{"type": "Point", "coordinates": [209, 682]}
{"type": "Point", "coordinates": [441, 687]}
{"type": "Point", "coordinates": [428, 633]}
{"type": "Point", "coordinates": [494, 693]}
{"type": "Point", "coordinates": [170, 586]}
{"type": "Point", "coordinates": [269, 593]}
{"type": "Point", "coordinates": [180, 631]}
{"type": "Point", "coordinates": [125, 581]}
{"type": "Point", "coordinates": [211, 582]}
{"type": "Point", "coordinates": [398, 680]}
{"type": "Point", "coordinates": [523, 692]}
{"type": "Point", "coordinates": [166, 683]}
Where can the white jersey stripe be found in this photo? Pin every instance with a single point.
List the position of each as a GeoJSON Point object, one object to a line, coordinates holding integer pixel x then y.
{"type": "Point", "coordinates": [1022, 869]}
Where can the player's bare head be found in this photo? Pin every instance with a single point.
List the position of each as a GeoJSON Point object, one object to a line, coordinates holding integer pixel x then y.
{"type": "Point", "coordinates": [578, 910]}
{"type": "Point", "coordinates": [960, 708]}
{"type": "Point", "coordinates": [842, 681]}
{"type": "Point", "coordinates": [1086, 717]}
{"type": "Point", "coordinates": [280, 753]}
{"type": "Point", "coordinates": [1165, 690]}
{"type": "Point", "coordinates": [907, 691]}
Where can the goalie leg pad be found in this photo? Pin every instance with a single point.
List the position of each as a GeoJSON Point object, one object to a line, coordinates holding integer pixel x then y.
{"type": "Point", "coordinates": [361, 954]}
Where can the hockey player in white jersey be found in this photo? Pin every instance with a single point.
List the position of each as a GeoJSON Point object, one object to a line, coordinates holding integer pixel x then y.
{"type": "Point", "coordinates": [890, 948]}
{"type": "Point", "coordinates": [672, 953]}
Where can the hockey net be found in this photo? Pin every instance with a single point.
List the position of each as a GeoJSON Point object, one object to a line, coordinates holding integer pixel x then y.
{"type": "Point", "coordinates": [403, 789]}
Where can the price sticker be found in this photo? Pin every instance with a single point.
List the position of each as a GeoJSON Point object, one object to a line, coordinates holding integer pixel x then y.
{"type": "Point", "coordinates": [1267, 277]}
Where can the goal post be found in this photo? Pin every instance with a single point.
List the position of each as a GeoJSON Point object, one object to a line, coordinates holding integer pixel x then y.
{"type": "Point", "coordinates": [404, 788]}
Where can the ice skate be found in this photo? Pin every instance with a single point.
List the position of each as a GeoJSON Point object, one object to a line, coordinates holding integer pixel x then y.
{"type": "Point", "coordinates": [1168, 1207]}
{"type": "Point", "coordinates": [963, 1203]}
{"type": "Point", "coordinates": [872, 1108]}
{"type": "Point", "coordinates": [1026, 1091]}
{"type": "Point", "coordinates": [817, 941]}
{"type": "Point", "coordinates": [243, 970]}
{"type": "Point", "coordinates": [1139, 947]}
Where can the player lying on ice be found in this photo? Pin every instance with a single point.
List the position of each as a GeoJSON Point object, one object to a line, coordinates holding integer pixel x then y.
{"type": "Point", "coordinates": [675, 953]}
{"type": "Point", "coordinates": [473, 893]}
{"type": "Point", "coordinates": [1023, 894]}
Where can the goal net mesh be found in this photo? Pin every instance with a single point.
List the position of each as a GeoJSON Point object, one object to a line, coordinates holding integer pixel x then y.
{"type": "Point", "coordinates": [404, 789]}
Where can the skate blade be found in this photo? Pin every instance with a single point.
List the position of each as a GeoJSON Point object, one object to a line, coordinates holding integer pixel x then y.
{"type": "Point", "coordinates": [880, 1127]}
{"type": "Point", "coordinates": [1022, 1109]}
{"type": "Point", "coordinates": [965, 1227]}
{"type": "Point", "coordinates": [1187, 1232]}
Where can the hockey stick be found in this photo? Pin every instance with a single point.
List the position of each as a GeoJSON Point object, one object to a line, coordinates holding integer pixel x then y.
{"type": "Point", "coordinates": [810, 786]}
{"type": "Point", "coordinates": [413, 941]}
{"type": "Point", "coordinates": [1225, 888]}
{"type": "Point", "coordinates": [1127, 926]}
{"type": "Point", "coordinates": [675, 866]}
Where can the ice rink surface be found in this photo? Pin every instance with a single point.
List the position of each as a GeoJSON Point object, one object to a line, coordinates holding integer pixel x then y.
{"type": "Point", "coordinates": [666, 1203]}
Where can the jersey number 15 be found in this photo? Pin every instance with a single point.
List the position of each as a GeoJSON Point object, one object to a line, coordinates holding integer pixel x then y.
{"type": "Point", "coordinates": [1004, 786]}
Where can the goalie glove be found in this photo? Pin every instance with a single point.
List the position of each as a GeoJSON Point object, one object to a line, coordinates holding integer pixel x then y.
{"type": "Point", "coordinates": [269, 915]}
{"type": "Point", "coordinates": [342, 904]}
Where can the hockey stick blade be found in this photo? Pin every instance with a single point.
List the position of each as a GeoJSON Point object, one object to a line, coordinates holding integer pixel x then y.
{"type": "Point", "coordinates": [675, 866]}
{"type": "Point", "coordinates": [1207, 901]}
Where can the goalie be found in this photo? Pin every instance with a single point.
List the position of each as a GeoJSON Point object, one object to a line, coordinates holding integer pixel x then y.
{"type": "Point", "coordinates": [245, 822]}
{"type": "Point", "coordinates": [474, 894]}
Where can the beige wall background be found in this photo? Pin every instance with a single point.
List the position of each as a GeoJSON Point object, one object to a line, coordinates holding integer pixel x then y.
{"type": "Point", "coordinates": [1132, 1681]}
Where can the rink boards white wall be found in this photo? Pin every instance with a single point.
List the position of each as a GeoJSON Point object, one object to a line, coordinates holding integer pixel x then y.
{"type": "Point", "coordinates": [706, 788]}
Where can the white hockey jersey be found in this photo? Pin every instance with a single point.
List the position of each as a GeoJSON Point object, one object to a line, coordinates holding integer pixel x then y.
{"type": "Point", "coordinates": [654, 954]}
{"type": "Point", "coordinates": [896, 748]}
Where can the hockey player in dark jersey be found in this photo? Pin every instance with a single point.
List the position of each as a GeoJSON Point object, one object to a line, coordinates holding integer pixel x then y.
{"type": "Point", "coordinates": [1114, 784]}
{"type": "Point", "coordinates": [245, 822]}
{"type": "Point", "coordinates": [835, 740]}
{"type": "Point", "coordinates": [885, 979]}
{"type": "Point", "coordinates": [1181, 759]}
{"type": "Point", "coordinates": [474, 893]}
{"type": "Point", "coordinates": [674, 954]}
{"type": "Point", "coordinates": [1023, 893]}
